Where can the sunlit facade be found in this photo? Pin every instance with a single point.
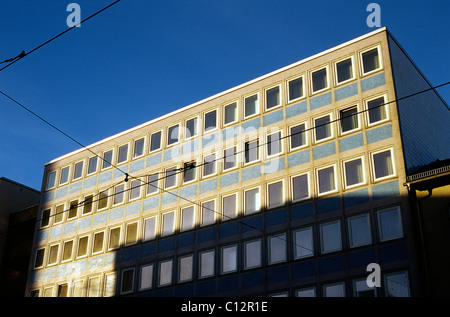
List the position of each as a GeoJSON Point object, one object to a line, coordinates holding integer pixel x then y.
{"type": "Point", "coordinates": [287, 185]}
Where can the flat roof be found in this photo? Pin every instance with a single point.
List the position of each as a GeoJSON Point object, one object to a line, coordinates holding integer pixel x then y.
{"type": "Point", "coordinates": [382, 29]}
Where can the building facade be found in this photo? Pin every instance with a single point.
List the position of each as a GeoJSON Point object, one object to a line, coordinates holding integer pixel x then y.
{"type": "Point", "coordinates": [288, 185]}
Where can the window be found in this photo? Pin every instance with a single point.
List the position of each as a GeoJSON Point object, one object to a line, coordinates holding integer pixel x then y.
{"type": "Point", "coordinates": [127, 284]}
{"type": "Point", "coordinates": [277, 248]}
{"type": "Point", "coordinates": [173, 135]}
{"type": "Point", "coordinates": [303, 243]}
{"type": "Point", "coordinates": [152, 186]}
{"type": "Point", "coordinates": [123, 154]}
{"type": "Point", "coordinates": [377, 110]}
{"type": "Point", "coordinates": [330, 237]}
{"type": "Point", "coordinates": [39, 259]}
{"type": "Point", "coordinates": [59, 214]}
{"type": "Point", "coordinates": [390, 224]}
{"type": "Point", "coordinates": [319, 80]}
{"type": "Point", "coordinates": [306, 292]}
{"type": "Point", "coordinates": [251, 151]}
{"type": "Point", "coordinates": [87, 204]}
{"type": "Point", "coordinates": [252, 201]}
{"type": "Point", "coordinates": [92, 165]}
{"type": "Point", "coordinates": [300, 187]}
{"type": "Point", "coordinates": [45, 220]}
{"type": "Point", "coordinates": [208, 212]}
{"type": "Point", "coordinates": [165, 272]}
{"type": "Point", "coordinates": [138, 148]}
{"type": "Point", "coordinates": [360, 289]}
{"type": "Point", "coordinates": [252, 254]}
{"type": "Point", "coordinates": [210, 120]}
{"type": "Point", "coordinates": [63, 290]}
{"type": "Point", "coordinates": [275, 194]}
{"type": "Point", "coordinates": [110, 285]}
{"type": "Point", "coordinates": [229, 259]}
{"type": "Point", "coordinates": [295, 89]}
{"type": "Point", "coordinates": [326, 180]}
{"type": "Point", "coordinates": [78, 288]}
{"type": "Point", "coordinates": [323, 128]}
{"type": "Point", "coordinates": [171, 177]}
{"type": "Point", "coordinates": [187, 218]}
{"type": "Point", "coordinates": [67, 251]}
{"type": "Point", "coordinates": [93, 286]}
{"type": "Point", "coordinates": [344, 70]}
{"type": "Point", "coordinates": [107, 159]}
{"type": "Point", "coordinates": [272, 97]}
{"type": "Point", "coordinates": [114, 238]}
{"type": "Point", "coordinates": [82, 246]}
{"type": "Point", "coordinates": [354, 172]}
{"type": "Point", "coordinates": [274, 143]}
{"type": "Point", "coordinates": [370, 61]}
{"type": "Point", "coordinates": [191, 128]}
{"type": "Point", "coordinates": [251, 106]}
{"type": "Point", "coordinates": [229, 158]}
{"type": "Point", "coordinates": [135, 190]}
{"type": "Point", "coordinates": [297, 136]}
{"type": "Point", "coordinates": [185, 268]}
{"type": "Point", "coordinates": [103, 198]}
{"type": "Point", "coordinates": [359, 230]}
{"type": "Point", "coordinates": [230, 113]}
{"type": "Point", "coordinates": [53, 254]}
{"type": "Point", "coordinates": [78, 170]}
{"type": "Point", "coordinates": [397, 284]}
{"type": "Point", "coordinates": [51, 178]}
{"type": "Point", "coordinates": [189, 170]}
{"type": "Point", "coordinates": [64, 177]}
{"type": "Point", "coordinates": [73, 209]}
{"type": "Point", "coordinates": [348, 119]}
{"type": "Point", "coordinates": [149, 228]}
{"type": "Point", "coordinates": [146, 277]}
{"type": "Point", "coordinates": [131, 236]}
{"type": "Point", "coordinates": [229, 206]}
{"type": "Point", "coordinates": [98, 242]}
{"type": "Point", "coordinates": [334, 290]}
{"type": "Point", "coordinates": [209, 165]}
{"type": "Point", "coordinates": [155, 141]}
{"type": "Point", "coordinates": [383, 165]}
{"type": "Point", "coordinates": [206, 262]}
{"type": "Point", "coordinates": [168, 220]}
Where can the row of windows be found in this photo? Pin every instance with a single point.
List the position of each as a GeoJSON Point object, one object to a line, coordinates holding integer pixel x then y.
{"type": "Point", "coordinates": [359, 233]}
{"type": "Point", "coordinates": [319, 81]}
{"type": "Point", "coordinates": [277, 193]}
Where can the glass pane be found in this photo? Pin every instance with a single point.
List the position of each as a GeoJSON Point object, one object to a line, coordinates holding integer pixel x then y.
{"type": "Point", "coordinates": [370, 60]}
{"type": "Point", "coordinates": [39, 261]}
{"type": "Point", "coordinates": [229, 207]}
{"type": "Point", "coordinates": [273, 97]}
{"type": "Point", "coordinates": [334, 290]}
{"type": "Point", "coordinates": [349, 119]}
{"type": "Point", "coordinates": [359, 231]}
{"type": "Point", "coordinates": [150, 228]}
{"type": "Point", "coordinates": [87, 204]}
{"type": "Point", "coordinates": [59, 214]}
{"type": "Point", "coordinates": [251, 151]}
{"type": "Point", "coordinates": [135, 191]}
{"type": "Point", "coordinates": [103, 198]}
{"type": "Point", "coordinates": [397, 284]}
{"type": "Point", "coordinates": [187, 218]}
{"type": "Point", "coordinates": [277, 245]}
{"type": "Point", "coordinates": [331, 237]}
{"type": "Point", "coordinates": [251, 105]}
{"type": "Point", "coordinates": [377, 110]}
{"type": "Point", "coordinates": [229, 158]}
{"type": "Point", "coordinates": [127, 281]}
{"type": "Point", "coordinates": [208, 212]}
{"type": "Point", "coordinates": [139, 147]}
{"type": "Point", "coordinates": [171, 177]}
{"type": "Point", "coordinates": [107, 159]}
{"type": "Point", "coordinates": [51, 178]}
{"type": "Point", "coordinates": [123, 153]}
{"type": "Point", "coordinates": [383, 164]}
{"type": "Point", "coordinates": [189, 172]}
{"type": "Point", "coordinates": [131, 233]}
{"type": "Point", "coordinates": [209, 165]}
{"type": "Point", "coordinates": [252, 201]}
{"type": "Point", "coordinates": [82, 246]}
{"type": "Point", "coordinates": [92, 165]}
{"type": "Point", "coordinates": [207, 263]}
{"type": "Point", "coordinates": [303, 240]}
{"type": "Point", "coordinates": [73, 209]}
{"type": "Point", "coordinates": [275, 194]}
{"type": "Point", "coordinates": [146, 276]}
{"type": "Point", "coordinates": [114, 238]}
{"type": "Point", "coordinates": [98, 242]}
{"type": "Point", "coordinates": [152, 183]}
{"type": "Point", "coordinates": [118, 195]}
{"type": "Point", "coordinates": [298, 136]}
{"type": "Point", "coordinates": [94, 287]}
{"type": "Point", "coordinates": [354, 172]}
{"type": "Point", "coordinates": [360, 289]}
{"type": "Point", "coordinates": [210, 120]}
{"type": "Point", "coordinates": [53, 254]}
{"type": "Point", "coordinates": [168, 223]}
{"type": "Point", "coordinates": [323, 128]}
{"type": "Point", "coordinates": [68, 246]}
{"type": "Point", "coordinates": [326, 180]}
{"type": "Point", "coordinates": [230, 113]}
{"type": "Point", "coordinates": [344, 70]}
{"type": "Point", "coordinates": [78, 170]}
{"type": "Point", "coordinates": [172, 135]}
{"type": "Point", "coordinates": [390, 224]}
{"type": "Point", "coordinates": [64, 175]}
{"type": "Point", "coordinates": [110, 285]}
{"type": "Point", "coordinates": [229, 259]}
{"type": "Point", "coordinates": [319, 79]}
{"type": "Point", "coordinates": [308, 292]}
{"type": "Point", "coordinates": [295, 88]}
{"type": "Point", "coordinates": [155, 142]}
{"type": "Point", "coordinates": [300, 189]}
{"type": "Point", "coordinates": [191, 128]}
{"type": "Point", "coordinates": [186, 265]}
{"type": "Point", "coordinates": [252, 254]}
{"type": "Point", "coordinates": [274, 143]}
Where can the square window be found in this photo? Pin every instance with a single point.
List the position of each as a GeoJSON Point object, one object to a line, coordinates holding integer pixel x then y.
{"type": "Point", "coordinates": [251, 106]}
{"type": "Point", "coordinates": [371, 60]}
{"type": "Point", "coordinates": [272, 97]}
{"type": "Point", "coordinates": [171, 177]}
{"type": "Point", "coordinates": [251, 151]}
{"type": "Point", "coordinates": [210, 120]}
{"type": "Point", "coordinates": [295, 88]}
{"type": "Point", "coordinates": [390, 224]}
{"type": "Point", "coordinates": [155, 141]}
{"type": "Point", "coordinates": [92, 166]}
{"type": "Point", "coordinates": [78, 170]}
{"type": "Point", "coordinates": [173, 135]}
{"type": "Point", "coordinates": [229, 158]}
{"type": "Point", "coordinates": [229, 207]}
{"type": "Point", "coordinates": [208, 212]}
{"type": "Point", "coordinates": [297, 136]}
{"type": "Point", "coordinates": [209, 165]}
{"type": "Point", "coordinates": [323, 128]}
{"type": "Point", "coordinates": [146, 281]}
{"type": "Point", "coordinates": [319, 80]}
{"type": "Point", "coordinates": [377, 110]}
{"type": "Point", "coordinates": [229, 259]}
{"type": "Point", "coordinates": [149, 228]}
{"type": "Point", "coordinates": [165, 272]}
{"type": "Point", "coordinates": [187, 218]}
{"type": "Point", "coordinates": [277, 248]}
{"type": "Point", "coordinates": [303, 243]}
{"type": "Point", "coordinates": [275, 194]}
{"type": "Point", "coordinates": [191, 128]}
{"type": "Point", "coordinates": [185, 268]}
{"type": "Point", "coordinates": [206, 262]}
{"type": "Point", "coordinates": [123, 154]}
{"type": "Point", "coordinates": [189, 170]}
{"type": "Point", "coordinates": [168, 223]}
{"type": "Point", "coordinates": [326, 180]}
{"type": "Point", "coordinates": [349, 119]}
{"type": "Point", "coordinates": [135, 190]}
{"type": "Point", "coordinates": [344, 70]}
{"type": "Point", "coordinates": [252, 201]}
{"type": "Point", "coordinates": [230, 113]}
{"type": "Point", "coordinates": [383, 164]}
{"type": "Point", "coordinates": [64, 177]}
{"type": "Point", "coordinates": [152, 186]}
{"type": "Point", "coordinates": [354, 172]}
{"type": "Point", "coordinates": [359, 230]}
{"type": "Point", "coordinates": [330, 237]}
{"type": "Point", "coordinates": [51, 178]}
{"type": "Point", "coordinates": [252, 254]}
{"type": "Point", "coordinates": [274, 144]}
{"type": "Point", "coordinates": [107, 159]}
{"type": "Point", "coordinates": [300, 187]}
{"type": "Point", "coordinates": [138, 148]}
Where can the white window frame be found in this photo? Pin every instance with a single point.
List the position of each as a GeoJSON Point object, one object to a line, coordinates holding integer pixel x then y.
{"type": "Point", "coordinates": [372, 161]}
{"type": "Point", "coordinates": [280, 97]}
{"type": "Point", "coordinates": [380, 60]}
{"type": "Point", "coordinates": [74, 178]}
{"type": "Point", "coordinates": [336, 189]}
{"type": "Point", "coordinates": [94, 234]}
{"type": "Point", "coordinates": [226, 217]}
{"type": "Point", "coordinates": [344, 172]}
{"type": "Point", "coordinates": [85, 204]}
{"type": "Point", "coordinates": [213, 212]}
{"type": "Point", "coordinates": [224, 106]}
{"type": "Point", "coordinates": [57, 245]}
{"type": "Point", "coordinates": [109, 278]}
{"type": "Point", "coordinates": [47, 180]}
{"type": "Point", "coordinates": [89, 289]}
{"type": "Point", "coordinates": [168, 135]}
{"type": "Point", "coordinates": [36, 257]}
{"type": "Point", "coordinates": [161, 139]}
{"type": "Point", "coordinates": [139, 187]}
{"type": "Point", "coordinates": [147, 183]}
{"type": "Point", "coordinates": [331, 123]}
{"type": "Point", "coordinates": [77, 256]}
{"type": "Point", "coordinates": [326, 67]}
{"type": "Point", "coordinates": [305, 133]}
{"type": "Point", "coordinates": [89, 164]}
{"type": "Point", "coordinates": [61, 175]}
{"type": "Point", "coordinates": [336, 78]}
{"type": "Point", "coordinates": [245, 212]}
{"type": "Point", "coordinates": [258, 106]}
{"type": "Point", "coordinates": [192, 169]}
{"type": "Point", "coordinates": [308, 178]}
{"type": "Point", "coordinates": [104, 161]}
{"type": "Point", "coordinates": [385, 107]}
{"type": "Point", "coordinates": [63, 251]}
{"type": "Point", "coordinates": [75, 204]}
{"type": "Point", "coordinates": [136, 237]}
{"type": "Point", "coordinates": [175, 175]}
{"type": "Point", "coordinates": [145, 234]}
{"type": "Point", "coordinates": [106, 198]}
{"type": "Point", "coordinates": [190, 225]}
{"type": "Point", "coordinates": [120, 237]}
{"type": "Point", "coordinates": [127, 145]}
{"type": "Point", "coordinates": [288, 91]}
{"type": "Point", "coordinates": [190, 137]}
{"type": "Point", "coordinates": [258, 149]}
{"type": "Point", "coordinates": [213, 164]}
{"type": "Point", "coordinates": [280, 142]}
{"type": "Point", "coordinates": [283, 194]}
{"type": "Point", "coordinates": [168, 231]}
{"type": "Point", "coordinates": [56, 213]}
{"type": "Point", "coordinates": [236, 160]}
{"type": "Point", "coordinates": [204, 121]}
{"type": "Point", "coordinates": [358, 117]}
{"type": "Point", "coordinates": [134, 147]}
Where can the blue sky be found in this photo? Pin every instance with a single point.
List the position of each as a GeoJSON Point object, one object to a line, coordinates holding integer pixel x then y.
{"type": "Point", "coordinates": [141, 59]}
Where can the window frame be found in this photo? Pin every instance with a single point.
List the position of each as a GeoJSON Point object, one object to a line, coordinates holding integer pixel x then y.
{"type": "Point", "coordinates": [192, 265]}
{"type": "Point", "coordinates": [93, 244]}
{"type": "Point", "coordinates": [245, 250]}
{"type": "Point", "coordinates": [133, 277]}
{"type": "Point", "coordinates": [105, 198]}
{"type": "Point", "coordinates": [200, 263]}
{"type": "Point", "coordinates": [175, 174]}
{"type": "Point", "coordinates": [235, 264]}
{"type": "Point", "coordinates": [89, 165]}
{"type": "Point", "coordinates": [206, 222]}
{"type": "Point", "coordinates": [192, 168]}
{"type": "Point", "coordinates": [86, 253]}
{"type": "Point", "coordinates": [39, 257]}
{"type": "Point", "coordinates": [288, 90]}
{"type": "Point", "coordinates": [150, 143]}
{"type": "Point", "coordinates": [283, 194]}
{"type": "Point", "coordinates": [282, 236]}
{"type": "Point", "coordinates": [160, 263]}
{"type": "Point", "coordinates": [339, 234]}
{"type": "Point", "coordinates": [399, 235]}
{"type": "Point", "coordinates": [143, 138]}
{"type": "Point", "coordinates": [213, 164]}
{"type": "Point", "coordinates": [308, 179]}
{"type": "Point", "coordinates": [380, 59]}
{"type": "Point", "coordinates": [49, 254]}
{"type": "Point", "coordinates": [279, 141]}
{"type": "Point", "coordinates": [59, 212]}
{"type": "Point", "coordinates": [259, 209]}
{"type": "Point", "coordinates": [190, 137]}
{"type": "Point", "coordinates": [119, 152]}
{"type": "Point", "coordinates": [280, 97]}
{"type": "Point", "coordinates": [385, 107]}
{"type": "Point", "coordinates": [305, 132]}
{"type": "Point", "coordinates": [372, 161]}
{"type": "Point", "coordinates": [47, 181]}
{"type": "Point", "coordinates": [189, 226]}
{"type": "Point", "coordinates": [258, 105]}
{"type": "Point", "coordinates": [316, 172]}
{"type": "Point", "coordinates": [363, 169]}
{"type": "Point", "coordinates": [236, 206]}
{"type": "Point", "coordinates": [351, 244]}
{"type": "Point", "coordinates": [169, 138]}
{"type": "Point", "coordinates": [331, 123]}
{"type": "Point", "coordinates": [119, 241]}
{"type": "Point", "coordinates": [89, 203]}
{"type": "Point", "coordinates": [236, 112]}
{"type": "Point", "coordinates": [336, 74]}
{"type": "Point", "coordinates": [63, 253]}
{"type": "Point", "coordinates": [148, 181]}
{"type": "Point", "coordinates": [340, 118]}
{"type": "Point", "coordinates": [133, 189]}
{"type": "Point", "coordinates": [235, 158]}
{"type": "Point", "coordinates": [311, 73]}
{"type": "Point", "coordinates": [258, 150]}
{"type": "Point", "coordinates": [145, 234]}
{"type": "Point", "coordinates": [61, 174]}
{"type": "Point", "coordinates": [74, 177]}
{"type": "Point", "coordinates": [105, 163]}
{"type": "Point", "coordinates": [164, 232]}
{"type": "Point", "coordinates": [141, 276]}
{"type": "Point", "coordinates": [136, 235]}
{"type": "Point", "coordinates": [310, 251]}
{"type": "Point", "coordinates": [209, 129]}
